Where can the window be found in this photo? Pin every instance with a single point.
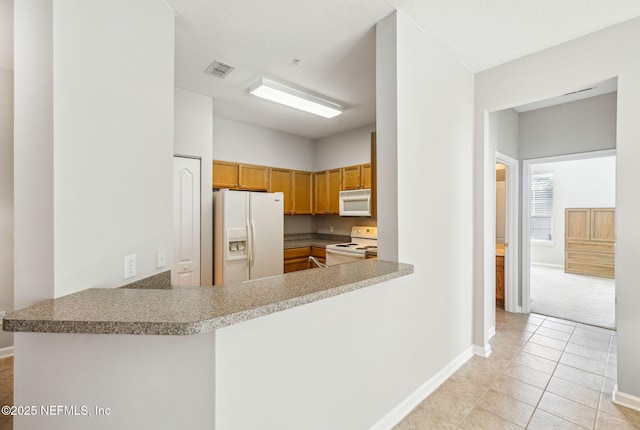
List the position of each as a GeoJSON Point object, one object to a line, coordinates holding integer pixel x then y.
{"type": "Point", "coordinates": [542, 206]}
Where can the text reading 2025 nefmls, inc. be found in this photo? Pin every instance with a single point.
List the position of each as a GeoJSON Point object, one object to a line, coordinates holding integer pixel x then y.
{"type": "Point", "coordinates": [56, 410]}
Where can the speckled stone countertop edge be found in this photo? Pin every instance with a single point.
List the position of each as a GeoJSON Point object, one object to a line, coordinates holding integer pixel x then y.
{"type": "Point", "coordinates": [192, 327]}
{"type": "Point", "coordinates": [308, 298]}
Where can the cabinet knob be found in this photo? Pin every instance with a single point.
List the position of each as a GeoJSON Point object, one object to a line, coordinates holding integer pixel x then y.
{"type": "Point", "coordinates": [240, 184]}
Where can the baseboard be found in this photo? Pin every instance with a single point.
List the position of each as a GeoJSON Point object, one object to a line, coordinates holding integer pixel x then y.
{"type": "Point", "coordinates": [482, 351]}
{"type": "Point", "coordinates": [492, 331]}
{"type": "Point", "coordinates": [554, 266]}
{"type": "Point", "coordinates": [6, 352]}
{"type": "Point", "coordinates": [396, 415]}
{"type": "Point", "coordinates": [626, 400]}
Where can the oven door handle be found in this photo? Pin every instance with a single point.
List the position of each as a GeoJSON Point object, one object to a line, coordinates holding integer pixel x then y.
{"type": "Point", "coordinates": [345, 253]}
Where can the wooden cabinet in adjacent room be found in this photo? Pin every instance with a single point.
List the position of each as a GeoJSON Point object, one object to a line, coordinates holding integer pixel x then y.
{"type": "Point", "coordinates": [327, 192]}
{"type": "Point", "coordinates": [589, 243]}
{"type": "Point", "coordinates": [500, 281]}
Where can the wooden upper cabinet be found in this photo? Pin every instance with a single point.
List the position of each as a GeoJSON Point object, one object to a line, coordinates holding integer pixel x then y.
{"type": "Point", "coordinates": [227, 174]}
{"type": "Point", "coordinates": [296, 187]}
{"type": "Point", "coordinates": [603, 224]}
{"type": "Point", "coordinates": [224, 174]}
{"type": "Point", "coordinates": [577, 223]}
{"type": "Point", "coordinates": [281, 180]}
{"type": "Point", "coordinates": [334, 182]}
{"type": "Point", "coordinates": [366, 175]}
{"type": "Point", "coordinates": [356, 177]}
{"type": "Point", "coordinates": [321, 193]}
{"type": "Point", "coordinates": [327, 192]}
{"type": "Point", "coordinates": [302, 194]}
{"type": "Point", "coordinates": [351, 178]}
{"type": "Point", "coordinates": [251, 177]}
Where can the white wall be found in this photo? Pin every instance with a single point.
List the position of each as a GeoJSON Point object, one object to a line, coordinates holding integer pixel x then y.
{"type": "Point", "coordinates": [344, 149]}
{"type": "Point", "coordinates": [594, 58]}
{"type": "Point", "coordinates": [586, 183]}
{"type": "Point", "coordinates": [251, 144]}
{"type": "Point", "coordinates": [113, 139]}
{"type": "Point", "coordinates": [98, 168]}
{"type": "Point", "coordinates": [504, 132]}
{"type": "Point", "coordinates": [33, 153]}
{"type": "Point", "coordinates": [581, 126]}
{"type": "Point", "coordinates": [193, 136]}
{"type": "Point", "coordinates": [6, 163]}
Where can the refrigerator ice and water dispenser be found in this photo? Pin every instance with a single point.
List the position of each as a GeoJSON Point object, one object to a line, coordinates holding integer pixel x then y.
{"type": "Point", "coordinates": [236, 243]}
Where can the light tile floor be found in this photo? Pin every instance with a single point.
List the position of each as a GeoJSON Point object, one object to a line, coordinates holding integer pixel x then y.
{"type": "Point", "coordinates": [544, 373]}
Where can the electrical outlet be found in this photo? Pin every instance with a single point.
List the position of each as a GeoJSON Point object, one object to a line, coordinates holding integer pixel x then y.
{"type": "Point", "coordinates": [161, 258]}
{"type": "Point", "coordinates": [129, 266]}
{"type": "Point", "coordinates": [330, 229]}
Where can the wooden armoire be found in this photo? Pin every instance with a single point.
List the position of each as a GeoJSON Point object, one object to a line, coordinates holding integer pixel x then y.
{"type": "Point", "coordinates": [589, 241]}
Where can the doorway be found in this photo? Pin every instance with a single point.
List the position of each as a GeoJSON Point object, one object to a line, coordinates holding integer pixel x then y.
{"type": "Point", "coordinates": [568, 258]}
{"type": "Point", "coordinates": [506, 240]}
{"type": "Point", "coordinates": [186, 221]}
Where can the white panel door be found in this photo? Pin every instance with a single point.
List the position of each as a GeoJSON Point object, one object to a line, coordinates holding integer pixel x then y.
{"type": "Point", "coordinates": [186, 222]}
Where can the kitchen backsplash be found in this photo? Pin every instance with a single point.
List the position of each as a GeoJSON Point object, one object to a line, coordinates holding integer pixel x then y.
{"type": "Point", "coordinates": [301, 224]}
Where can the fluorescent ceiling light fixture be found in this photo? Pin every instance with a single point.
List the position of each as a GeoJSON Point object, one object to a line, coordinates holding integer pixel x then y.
{"type": "Point", "coordinates": [279, 93]}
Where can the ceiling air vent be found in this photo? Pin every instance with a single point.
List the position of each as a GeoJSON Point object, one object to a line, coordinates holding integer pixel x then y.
{"type": "Point", "coordinates": [219, 69]}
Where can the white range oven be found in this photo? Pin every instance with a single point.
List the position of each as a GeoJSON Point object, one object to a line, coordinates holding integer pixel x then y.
{"type": "Point", "coordinates": [363, 240]}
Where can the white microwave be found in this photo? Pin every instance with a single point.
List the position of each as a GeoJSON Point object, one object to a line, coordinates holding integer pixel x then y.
{"type": "Point", "coordinates": [355, 203]}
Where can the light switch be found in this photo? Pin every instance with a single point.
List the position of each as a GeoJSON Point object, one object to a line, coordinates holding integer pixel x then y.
{"type": "Point", "coordinates": [161, 258]}
{"type": "Point", "coordinates": [129, 266]}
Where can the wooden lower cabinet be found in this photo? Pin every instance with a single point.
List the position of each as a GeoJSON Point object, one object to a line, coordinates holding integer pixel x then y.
{"type": "Point", "coordinates": [319, 253]}
{"type": "Point", "coordinates": [298, 258]}
{"type": "Point", "coordinates": [500, 281]}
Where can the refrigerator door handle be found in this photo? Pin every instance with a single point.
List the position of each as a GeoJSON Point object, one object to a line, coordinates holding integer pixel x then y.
{"type": "Point", "coordinates": [249, 244]}
{"type": "Point", "coordinates": [253, 240]}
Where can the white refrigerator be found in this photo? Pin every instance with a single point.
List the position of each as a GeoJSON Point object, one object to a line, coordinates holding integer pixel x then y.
{"type": "Point", "coordinates": [248, 235]}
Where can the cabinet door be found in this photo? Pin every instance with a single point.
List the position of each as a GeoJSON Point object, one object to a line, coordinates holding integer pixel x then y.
{"type": "Point", "coordinates": [351, 178]}
{"type": "Point", "coordinates": [321, 193]}
{"type": "Point", "coordinates": [603, 224]}
{"type": "Point", "coordinates": [224, 174]}
{"type": "Point", "coordinates": [365, 175]}
{"type": "Point", "coordinates": [302, 193]}
{"type": "Point", "coordinates": [334, 181]}
{"type": "Point", "coordinates": [577, 223]}
{"type": "Point", "coordinates": [252, 177]}
{"type": "Point", "coordinates": [280, 180]}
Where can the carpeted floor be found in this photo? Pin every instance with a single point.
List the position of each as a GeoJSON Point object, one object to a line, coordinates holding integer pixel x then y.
{"type": "Point", "coordinates": [585, 299]}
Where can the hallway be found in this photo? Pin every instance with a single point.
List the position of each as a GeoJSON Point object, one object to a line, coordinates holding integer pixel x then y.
{"type": "Point", "coordinates": [544, 373]}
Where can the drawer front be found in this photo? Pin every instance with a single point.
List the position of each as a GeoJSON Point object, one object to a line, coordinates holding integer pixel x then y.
{"type": "Point", "coordinates": [318, 252]}
{"type": "Point", "coordinates": [297, 253]}
{"type": "Point", "coordinates": [591, 258]}
{"type": "Point", "coordinates": [576, 245]}
{"type": "Point", "coordinates": [295, 266]}
{"type": "Point", "coordinates": [589, 269]}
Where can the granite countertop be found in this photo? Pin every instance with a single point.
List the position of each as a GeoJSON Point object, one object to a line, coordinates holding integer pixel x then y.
{"type": "Point", "coordinates": [313, 239]}
{"type": "Point", "coordinates": [192, 310]}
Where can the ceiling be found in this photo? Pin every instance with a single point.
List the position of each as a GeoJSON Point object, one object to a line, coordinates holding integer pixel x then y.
{"type": "Point", "coordinates": [335, 43]}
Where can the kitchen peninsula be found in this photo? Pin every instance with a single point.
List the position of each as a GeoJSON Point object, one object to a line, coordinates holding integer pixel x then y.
{"type": "Point", "coordinates": [195, 357]}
